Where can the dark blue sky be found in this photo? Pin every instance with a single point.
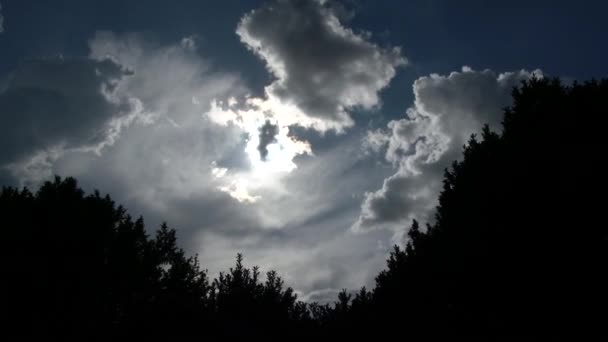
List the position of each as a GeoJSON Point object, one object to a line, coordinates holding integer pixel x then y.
{"type": "Point", "coordinates": [42, 28]}
{"type": "Point", "coordinates": [563, 38]}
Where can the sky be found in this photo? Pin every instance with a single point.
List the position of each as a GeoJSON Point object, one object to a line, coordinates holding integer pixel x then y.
{"type": "Point", "coordinates": [305, 134]}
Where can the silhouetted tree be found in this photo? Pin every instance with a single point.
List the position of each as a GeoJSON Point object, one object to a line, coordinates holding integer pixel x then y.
{"type": "Point", "coordinates": [517, 246]}
{"type": "Point", "coordinates": [78, 266]}
{"type": "Point", "coordinates": [245, 306]}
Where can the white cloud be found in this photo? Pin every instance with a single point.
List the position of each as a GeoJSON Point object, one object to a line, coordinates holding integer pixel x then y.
{"type": "Point", "coordinates": [171, 80]}
{"type": "Point", "coordinates": [52, 105]}
{"type": "Point", "coordinates": [322, 71]}
{"type": "Point", "coordinates": [172, 167]}
{"type": "Point", "coordinates": [57, 105]}
{"type": "Point", "coordinates": [180, 143]}
{"type": "Point", "coordinates": [374, 141]}
{"type": "Point", "coordinates": [447, 110]}
{"type": "Point", "coordinates": [321, 67]}
{"type": "Point", "coordinates": [218, 172]}
{"type": "Point", "coordinates": [238, 190]}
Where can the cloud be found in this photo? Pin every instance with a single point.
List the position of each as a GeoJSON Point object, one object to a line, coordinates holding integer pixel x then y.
{"type": "Point", "coordinates": [268, 133]}
{"type": "Point", "coordinates": [317, 259]}
{"type": "Point", "coordinates": [320, 66]}
{"type": "Point", "coordinates": [446, 111]}
{"type": "Point", "coordinates": [170, 79]}
{"type": "Point", "coordinates": [322, 71]}
{"type": "Point", "coordinates": [170, 168]}
{"type": "Point", "coordinates": [57, 105]}
{"type": "Point", "coordinates": [238, 190]}
{"type": "Point", "coordinates": [175, 85]}
{"type": "Point", "coordinates": [175, 167]}
{"type": "Point", "coordinates": [375, 141]}
{"type": "Point", "coordinates": [52, 105]}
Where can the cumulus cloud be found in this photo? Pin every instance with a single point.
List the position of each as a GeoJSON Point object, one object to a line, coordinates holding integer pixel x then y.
{"type": "Point", "coordinates": [320, 66]}
{"type": "Point", "coordinates": [375, 141]}
{"type": "Point", "coordinates": [51, 105]}
{"type": "Point", "coordinates": [172, 80]}
{"type": "Point", "coordinates": [446, 111]}
{"type": "Point", "coordinates": [322, 71]}
{"type": "Point", "coordinates": [172, 167]}
{"type": "Point", "coordinates": [175, 85]}
{"type": "Point", "coordinates": [56, 105]}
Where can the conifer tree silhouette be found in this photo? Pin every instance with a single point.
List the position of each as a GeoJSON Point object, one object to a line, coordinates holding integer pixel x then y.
{"type": "Point", "coordinates": [515, 247]}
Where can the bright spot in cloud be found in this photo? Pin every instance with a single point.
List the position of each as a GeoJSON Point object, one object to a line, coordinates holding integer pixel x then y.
{"type": "Point", "coordinates": [322, 71]}
{"type": "Point", "coordinates": [218, 172]}
{"type": "Point", "coordinates": [251, 119]}
{"type": "Point", "coordinates": [265, 171]}
{"type": "Point", "coordinates": [238, 190]}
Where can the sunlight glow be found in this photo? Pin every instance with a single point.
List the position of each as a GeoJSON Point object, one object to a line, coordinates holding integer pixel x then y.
{"type": "Point", "coordinates": [264, 172]}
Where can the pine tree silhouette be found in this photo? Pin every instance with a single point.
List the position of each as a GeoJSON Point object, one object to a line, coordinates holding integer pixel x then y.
{"type": "Point", "coordinates": [516, 247]}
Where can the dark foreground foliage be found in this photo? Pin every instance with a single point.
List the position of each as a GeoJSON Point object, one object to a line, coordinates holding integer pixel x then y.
{"type": "Point", "coordinates": [516, 248]}
{"type": "Point", "coordinates": [79, 266]}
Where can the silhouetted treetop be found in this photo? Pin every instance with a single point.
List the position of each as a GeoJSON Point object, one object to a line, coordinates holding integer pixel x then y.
{"type": "Point", "coordinates": [515, 247]}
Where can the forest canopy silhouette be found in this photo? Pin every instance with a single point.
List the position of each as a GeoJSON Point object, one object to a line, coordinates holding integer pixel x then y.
{"type": "Point", "coordinates": [515, 247]}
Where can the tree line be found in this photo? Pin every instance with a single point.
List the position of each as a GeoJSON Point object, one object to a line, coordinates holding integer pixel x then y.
{"type": "Point", "coordinates": [517, 247]}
